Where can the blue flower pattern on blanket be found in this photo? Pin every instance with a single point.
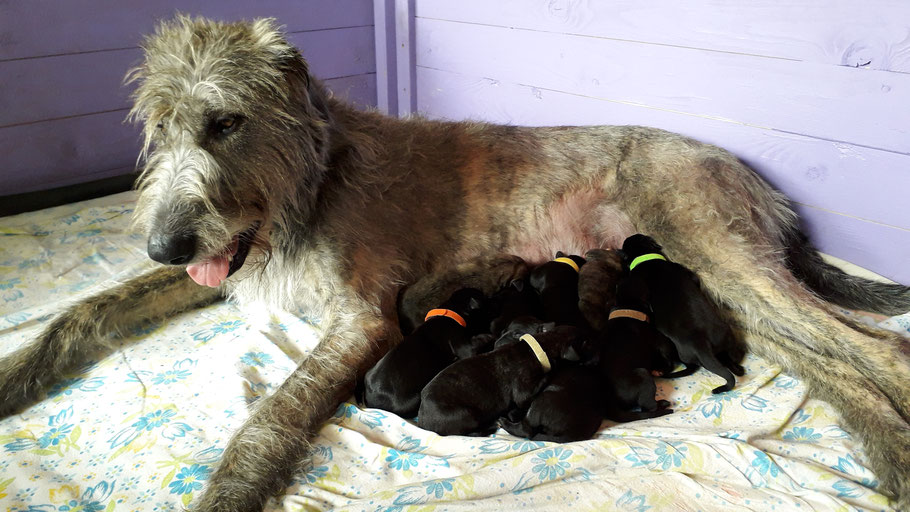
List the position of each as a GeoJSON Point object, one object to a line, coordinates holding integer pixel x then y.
{"type": "Point", "coordinates": [145, 427]}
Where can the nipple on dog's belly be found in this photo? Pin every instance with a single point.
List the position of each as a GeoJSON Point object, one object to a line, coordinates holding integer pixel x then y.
{"type": "Point", "coordinates": [575, 224]}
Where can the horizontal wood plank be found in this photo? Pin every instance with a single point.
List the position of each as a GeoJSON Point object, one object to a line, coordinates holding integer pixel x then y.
{"type": "Point", "coordinates": [862, 107]}
{"type": "Point", "coordinates": [64, 86]}
{"type": "Point", "coordinates": [881, 249]}
{"type": "Point", "coordinates": [872, 35]}
{"type": "Point", "coordinates": [50, 27]}
{"type": "Point", "coordinates": [49, 154]}
{"type": "Point", "coordinates": [360, 90]}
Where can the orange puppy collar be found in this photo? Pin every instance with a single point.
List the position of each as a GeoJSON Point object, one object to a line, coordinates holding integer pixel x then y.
{"type": "Point", "coordinates": [628, 313]}
{"type": "Point", "coordinates": [448, 313]}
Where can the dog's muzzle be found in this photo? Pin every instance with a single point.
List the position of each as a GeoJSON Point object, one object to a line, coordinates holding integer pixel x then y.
{"type": "Point", "coordinates": [213, 270]}
{"type": "Point", "coordinates": [172, 248]}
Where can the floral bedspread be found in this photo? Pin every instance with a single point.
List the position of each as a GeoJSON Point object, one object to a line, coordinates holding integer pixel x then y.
{"type": "Point", "coordinates": [142, 428]}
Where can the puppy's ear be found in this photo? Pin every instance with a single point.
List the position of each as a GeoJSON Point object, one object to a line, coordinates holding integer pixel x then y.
{"type": "Point", "coordinates": [560, 254]}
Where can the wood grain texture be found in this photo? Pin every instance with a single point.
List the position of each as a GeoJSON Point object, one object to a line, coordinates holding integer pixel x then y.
{"type": "Point", "coordinates": [873, 34]}
{"type": "Point", "coordinates": [864, 185]}
{"type": "Point", "coordinates": [70, 85]}
{"type": "Point", "coordinates": [91, 25]}
{"type": "Point", "coordinates": [862, 107]}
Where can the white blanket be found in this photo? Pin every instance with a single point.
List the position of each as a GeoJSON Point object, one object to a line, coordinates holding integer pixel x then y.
{"type": "Point", "coordinates": [142, 428]}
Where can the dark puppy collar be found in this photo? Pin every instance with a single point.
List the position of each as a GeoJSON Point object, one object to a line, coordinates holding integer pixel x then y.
{"type": "Point", "coordinates": [628, 313]}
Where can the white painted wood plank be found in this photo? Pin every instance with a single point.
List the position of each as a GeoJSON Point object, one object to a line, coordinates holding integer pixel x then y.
{"type": "Point", "coordinates": [874, 34]}
{"type": "Point", "coordinates": [867, 108]}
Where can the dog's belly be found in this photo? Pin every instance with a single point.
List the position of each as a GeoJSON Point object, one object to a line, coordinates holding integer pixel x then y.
{"type": "Point", "coordinates": [574, 224]}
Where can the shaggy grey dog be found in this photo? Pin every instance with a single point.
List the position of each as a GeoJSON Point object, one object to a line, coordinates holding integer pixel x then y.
{"type": "Point", "coordinates": [260, 187]}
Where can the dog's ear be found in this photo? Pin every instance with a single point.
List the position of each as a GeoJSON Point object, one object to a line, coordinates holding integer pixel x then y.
{"type": "Point", "coordinates": [560, 254]}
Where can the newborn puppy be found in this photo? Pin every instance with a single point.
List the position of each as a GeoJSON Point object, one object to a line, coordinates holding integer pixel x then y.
{"type": "Point", "coordinates": [516, 300]}
{"type": "Point", "coordinates": [394, 384]}
{"type": "Point", "coordinates": [488, 274]}
{"type": "Point", "coordinates": [683, 312]}
{"type": "Point", "coordinates": [569, 408]}
{"type": "Point", "coordinates": [634, 349]}
{"type": "Point", "coordinates": [556, 283]}
{"type": "Point", "coordinates": [597, 281]}
{"type": "Point", "coordinates": [470, 395]}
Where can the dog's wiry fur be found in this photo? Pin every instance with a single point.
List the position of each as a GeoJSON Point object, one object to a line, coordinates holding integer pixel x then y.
{"type": "Point", "coordinates": [354, 204]}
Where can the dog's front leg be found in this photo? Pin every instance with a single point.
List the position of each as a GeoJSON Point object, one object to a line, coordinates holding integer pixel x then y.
{"type": "Point", "coordinates": [84, 330]}
{"type": "Point", "coordinates": [259, 460]}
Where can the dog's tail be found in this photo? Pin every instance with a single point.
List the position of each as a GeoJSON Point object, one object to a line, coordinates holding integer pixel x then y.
{"type": "Point", "coordinates": [835, 285]}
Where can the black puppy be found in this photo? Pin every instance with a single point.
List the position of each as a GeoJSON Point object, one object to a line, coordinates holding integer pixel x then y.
{"type": "Point", "coordinates": [556, 283]}
{"type": "Point", "coordinates": [683, 312]}
{"type": "Point", "coordinates": [633, 350]}
{"type": "Point", "coordinates": [470, 395]}
{"type": "Point", "coordinates": [569, 408]}
{"type": "Point", "coordinates": [394, 384]}
{"type": "Point", "coordinates": [516, 300]}
{"type": "Point", "coordinates": [488, 274]}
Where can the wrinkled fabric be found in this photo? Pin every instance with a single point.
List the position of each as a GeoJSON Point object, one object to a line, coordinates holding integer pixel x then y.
{"type": "Point", "coordinates": [142, 428]}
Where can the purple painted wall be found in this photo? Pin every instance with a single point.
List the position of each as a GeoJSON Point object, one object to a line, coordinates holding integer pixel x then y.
{"type": "Point", "coordinates": [62, 104]}
{"type": "Point", "coordinates": [814, 95]}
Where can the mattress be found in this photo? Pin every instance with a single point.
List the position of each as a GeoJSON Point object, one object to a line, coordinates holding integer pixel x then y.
{"type": "Point", "coordinates": [142, 428]}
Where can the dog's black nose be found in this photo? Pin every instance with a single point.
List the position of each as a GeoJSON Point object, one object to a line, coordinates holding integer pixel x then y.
{"type": "Point", "coordinates": [172, 248]}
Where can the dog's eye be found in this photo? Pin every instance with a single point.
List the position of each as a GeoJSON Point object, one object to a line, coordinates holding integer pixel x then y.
{"type": "Point", "coordinates": [225, 125]}
{"type": "Point", "coordinates": [160, 126]}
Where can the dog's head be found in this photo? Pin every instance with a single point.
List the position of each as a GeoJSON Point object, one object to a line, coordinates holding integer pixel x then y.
{"type": "Point", "coordinates": [236, 136]}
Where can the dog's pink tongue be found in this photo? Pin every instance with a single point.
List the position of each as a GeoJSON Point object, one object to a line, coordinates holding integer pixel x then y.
{"type": "Point", "coordinates": [210, 272]}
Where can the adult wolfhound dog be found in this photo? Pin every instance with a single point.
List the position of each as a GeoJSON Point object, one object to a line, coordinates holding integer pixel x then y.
{"type": "Point", "coordinates": [260, 187]}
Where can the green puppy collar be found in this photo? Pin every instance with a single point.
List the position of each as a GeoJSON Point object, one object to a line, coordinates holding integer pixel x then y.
{"type": "Point", "coordinates": [645, 257]}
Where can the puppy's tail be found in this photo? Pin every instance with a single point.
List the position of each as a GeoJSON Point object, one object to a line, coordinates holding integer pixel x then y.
{"type": "Point", "coordinates": [835, 285]}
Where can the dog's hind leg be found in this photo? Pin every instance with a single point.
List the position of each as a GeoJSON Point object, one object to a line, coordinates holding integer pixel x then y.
{"type": "Point", "coordinates": [84, 330]}
{"type": "Point", "coordinates": [263, 454]}
{"type": "Point", "coordinates": [777, 304]}
{"type": "Point", "coordinates": [864, 409]}
{"type": "Point", "coordinates": [864, 378]}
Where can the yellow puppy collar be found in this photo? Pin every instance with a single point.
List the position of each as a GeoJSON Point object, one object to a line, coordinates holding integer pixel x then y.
{"type": "Point", "coordinates": [569, 262]}
{"type": "Point", "coordinates": [645, 257]}
{"type": "Point", "coordinates": [538, 351]}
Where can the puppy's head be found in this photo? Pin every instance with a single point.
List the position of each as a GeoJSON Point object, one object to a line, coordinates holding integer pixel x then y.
{"type": "Point", "coordinates": [572, 345]}
{"type": "Point", "coordinates": [636, 245]}
{"type": "Point", "coordinates": [556, 272]}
